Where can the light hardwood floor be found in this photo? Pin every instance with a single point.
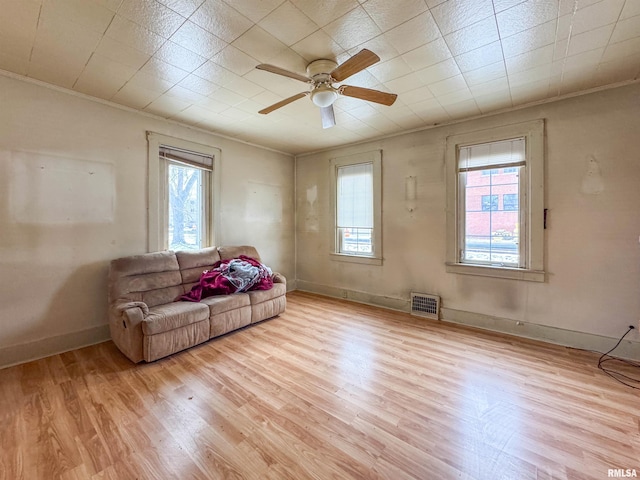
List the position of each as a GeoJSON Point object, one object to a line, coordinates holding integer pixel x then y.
{"type": "Point", "coordinates": [330, 389]}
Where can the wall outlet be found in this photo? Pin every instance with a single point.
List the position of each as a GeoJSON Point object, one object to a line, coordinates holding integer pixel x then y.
{"type": "Point", "coordinates": [344, 294]}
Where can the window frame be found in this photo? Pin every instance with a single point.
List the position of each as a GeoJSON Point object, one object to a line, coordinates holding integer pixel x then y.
{"type": "Point", "coordinates": [158, 202]}
{"type": "Point", "coordinates": [375, 158]}
{"type": "Point", "coordinates": [531, 198]}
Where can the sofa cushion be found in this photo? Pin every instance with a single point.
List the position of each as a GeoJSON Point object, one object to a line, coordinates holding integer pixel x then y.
{"type": "Point", "coordinates": [227, 253]}
{"type": "Point", "coordinates": [259, 296]}
{"type": "Point", "coordinates": [193, 263]}
{"type": "Point", "coordinates": [163, 318]}
{"type": "Point", "coordinates": [153, 278]}
{"type": "Point", "coordinates": [223, 303]}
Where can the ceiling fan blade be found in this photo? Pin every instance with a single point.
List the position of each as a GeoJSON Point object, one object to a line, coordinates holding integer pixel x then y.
{"type": "Point", "coordinates": [376, 96]}
{"type": "Point", "coordinates": [282, 103]}
{"type": "Point", "coordinates": [328, 118]}
{"type": "Point", "coordinates": [283, 72]}
{"type": "Point", "coordinates": [361, 60]}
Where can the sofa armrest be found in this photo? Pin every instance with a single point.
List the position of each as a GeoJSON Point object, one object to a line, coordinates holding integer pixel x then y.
{"type": "Point", "coordinates": [131, 313]}
{"type": "Point", "coordinates": [279, 278]}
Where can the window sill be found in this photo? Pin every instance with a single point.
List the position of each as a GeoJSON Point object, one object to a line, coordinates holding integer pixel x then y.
{"type": "Point", "coordinates": [497, 272]}
{"type": "Point", "coordinates": [341, 257]}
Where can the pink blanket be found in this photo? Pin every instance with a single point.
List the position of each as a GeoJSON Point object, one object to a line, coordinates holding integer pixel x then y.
{"type": "Point", "coordinates": [231, 276]}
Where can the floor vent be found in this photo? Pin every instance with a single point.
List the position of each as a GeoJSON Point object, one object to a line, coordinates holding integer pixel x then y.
{"type": "Point", "coordinates": [425, 305]}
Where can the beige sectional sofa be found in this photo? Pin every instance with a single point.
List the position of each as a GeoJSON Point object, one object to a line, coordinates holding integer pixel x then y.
{"type": "Point", "coordinates": [147, 324]}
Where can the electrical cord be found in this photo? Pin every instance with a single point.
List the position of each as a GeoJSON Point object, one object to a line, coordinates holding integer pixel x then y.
{"type": "Point", "coordinates": [618, 376]}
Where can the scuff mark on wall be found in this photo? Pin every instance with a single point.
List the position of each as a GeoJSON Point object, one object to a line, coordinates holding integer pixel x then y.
{"type": "Point", "coordinates": [264, 203]}
{"type": "Point", "coordinates": [312, 222]}
{"type": "Point", "coordinates": [52, 190]}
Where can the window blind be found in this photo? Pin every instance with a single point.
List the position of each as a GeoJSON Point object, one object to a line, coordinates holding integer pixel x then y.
{"type": "Point", "coordinates": [193, 159]}
{"type": "Point", "coordinates": [505, 153]}
{"type": "Point", "coordinates": [355, 196]}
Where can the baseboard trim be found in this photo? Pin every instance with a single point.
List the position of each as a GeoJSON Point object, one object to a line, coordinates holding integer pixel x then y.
{"type": "Point", "coordinates": [629, 349]}
{"type": "Point", "coordinates": [27, 352]}
{"type": "Point", "coordinates": [393, 303]}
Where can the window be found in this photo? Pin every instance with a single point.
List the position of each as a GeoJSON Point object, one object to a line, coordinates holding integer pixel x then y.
{"type": "Point", "coordinates": [357, 233]}
{"type": "Point", "coordinates": [510, 201]}
{"type": "Point", "coordinates": [495, 202]}
{"type": "Point", "coordinates": [489, 202]}
{"type": "Point", "coordinates": [183, 193]}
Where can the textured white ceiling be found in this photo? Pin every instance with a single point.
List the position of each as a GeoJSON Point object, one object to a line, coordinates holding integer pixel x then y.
{"type": "Point", "coordinates": [193, 60]}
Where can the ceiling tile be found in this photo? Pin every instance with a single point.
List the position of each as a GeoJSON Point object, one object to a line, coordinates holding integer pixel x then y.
{"type": "Point", "coordinates": [185, 94]}
{"type": "Point", "coordinates": [630, 9]}
{"type": "Point", "coordinates": [380, 46]}
{"type": "Point", "coordinates": [12, 63]}
{"type": "Point", "coordinates": [480, 57]}
{"type": "Point", "coordinates": [149, 82]}
{"type": "Point", "coordinates": [474, 36]}
{"type": "Point", "coordinates": [485, 74]}
{"type": "Point", "coordinates": [198, 40]}
{"type": "Point", "coordinates": [352, 29]}
{"type": "Point", "coordinates": [153, 15]}
{"type": "Point", "coordinates": [166, 106]}
{"type": "Point", "coordinates": [456, 14]}
{"type": "Point", "coordinates": [183, 7]}
{"type": "Point", "coordinates": [439, 71]}
{"type": "Point", "coordinates": [244, 87]}
{"type": "Point", "coordinates": [404, 84]}
{"type": "Point", "coordinates": [180, 57]}
{"type": "Point", "coordinates": [223, 21]}
{"type": "Point", "coordinates": [317, 45]}
{"type": "Point", "coordinates": [235, 60]}
{"type": "Point", "coordinates": [51, 70]}
{"type": "Point", "coordinates": [497, 86]}
{"type": "Point", "coordinates": [388, 15]}
{"type": "Point", "coordinates": [530, 59]}
{"type": "Point", "coordinates": [529, 40]}
{"type": "Point", "coordinates": [16, 47]}
{"type": "Point", "coordinates": [253, 10]}
{"type": "Point", "coordinates": [389, 70]}
{"type": "Point", "coordinates": [121, 53]}
{"type": "Point", "coordinates": [492, 102]}
{"type": "Point", "coordinates": [98, 85]}
{"type": "Point", "coordinates": [583, 42]}
{"type": "Point", "coordinates": [626, 29]}
{"type": "Point", "coordinates": [426, 55]}
{"type": "Point", "coordinates": [215, 73]}
{"type": "Point", "coordinates": [227, 96]}
{"type": "Point", "coordinates": [259, 44]}
{"type": "Point", "coordinates": [571, 6]}
{"type": "Point", "coordinates": [60, 37]}
{"type": "Point", "coordinates": [19, 19]}
{"type": "Point", "coordinates": [134, 96]}
{"type": "Point", "coordinates": [618, 51]}
{"type": "Point", "coordinates": [414, 33]}
{"type": "Point", "coordinates": [164, 70]}
{"type": "Point", "coordinates": [596, 15]}
{"type": "Point", "coordinates": [134, 35]}
{"type": "Point", "coordinates": [417, 95]}
{"type": "Point", "coordinates": [448, 85]}
{"type": "Point", "coordinates": [526, 15]}
{"type": "Point", "coordinates": [325, 11]}
{"type": "Point", "coordinates": [464, 108]}
{"type": "Point", "coordinates": [82, 12]}
{"type": "Point", "coordinates": [500, 5]}
{"type": "Point", "coordinates": [199, 85]}
{"type": "Point", "coordinates": [299, 25]}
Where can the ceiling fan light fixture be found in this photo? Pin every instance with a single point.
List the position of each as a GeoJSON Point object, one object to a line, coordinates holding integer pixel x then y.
{"type": "Point", "coordinates": [323, 96]}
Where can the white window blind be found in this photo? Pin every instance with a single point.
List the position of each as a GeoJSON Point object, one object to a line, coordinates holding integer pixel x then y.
{"type": "Point", "coordinates": [505, 153]}
{"type": "Point", "coordinates": [355, 196]}
{"type": "Point", "coordinates": [193, 159]}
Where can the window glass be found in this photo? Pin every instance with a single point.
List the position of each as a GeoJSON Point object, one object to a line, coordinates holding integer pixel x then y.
{"type": "Point", "coordinates": [186, 207]}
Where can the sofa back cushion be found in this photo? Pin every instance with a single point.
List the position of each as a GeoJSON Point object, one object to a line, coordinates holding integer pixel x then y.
{"type": "Point", "coordinates": [152, 278]}
{"type": "Point", "coordinates": [227, 253]}
{"type": "Point", "coordinates": [193, 263]}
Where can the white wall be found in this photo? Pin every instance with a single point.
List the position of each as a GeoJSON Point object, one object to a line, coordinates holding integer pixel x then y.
{"type": "Point", "coordinates": [73, 196]}
{"type": "Point", "coordinates": [592, 241]}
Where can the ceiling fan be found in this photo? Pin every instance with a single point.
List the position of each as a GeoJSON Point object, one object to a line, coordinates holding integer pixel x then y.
{"type": "Point", "coordinates": [322, 74]}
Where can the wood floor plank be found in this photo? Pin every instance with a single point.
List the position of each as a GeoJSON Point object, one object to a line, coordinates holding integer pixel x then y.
{"type": "Point", "coordinates": [329, 389]}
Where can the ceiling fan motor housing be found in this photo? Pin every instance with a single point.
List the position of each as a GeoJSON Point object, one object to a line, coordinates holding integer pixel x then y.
{"type": "Point", "coordinates": [320, 70]}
